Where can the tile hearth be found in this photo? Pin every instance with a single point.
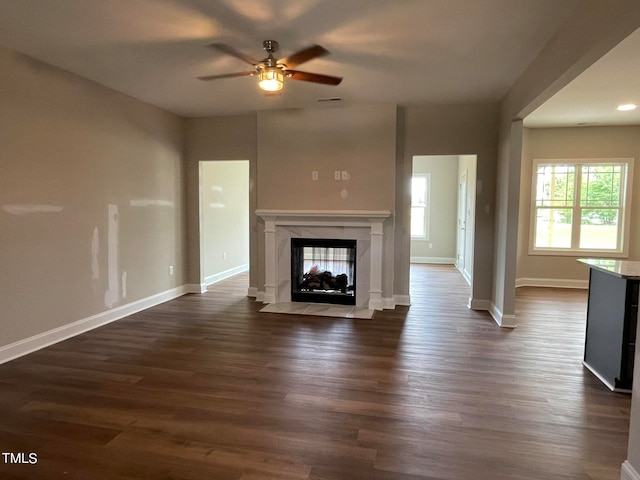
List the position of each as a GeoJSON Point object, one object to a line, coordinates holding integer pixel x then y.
{"type": "Point", "coordinates": [319, 310]}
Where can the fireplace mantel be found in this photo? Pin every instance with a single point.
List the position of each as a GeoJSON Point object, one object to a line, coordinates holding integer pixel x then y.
{"type": "Point", "coordinates": [323, 217]}
{"type": "Point", "coordinates": [281, 224]}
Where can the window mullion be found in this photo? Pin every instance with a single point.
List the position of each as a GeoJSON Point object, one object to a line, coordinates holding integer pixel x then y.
{"type": "Point", "coordinates": [621, 223]}
{"type": "Point", "coordinates": [576, 212]}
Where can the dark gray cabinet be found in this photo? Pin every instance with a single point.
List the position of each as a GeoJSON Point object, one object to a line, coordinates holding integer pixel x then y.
{"type": "Point", "coordinates": [612, 316]}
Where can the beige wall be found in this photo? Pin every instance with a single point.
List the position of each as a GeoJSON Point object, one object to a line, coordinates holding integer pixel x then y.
{"type": "Point", "coordinates": [72, 153]}
{"type": "Point", "coordinates": [570, 143]}
{"type": "Point", "coordinates": [225, 218]}
{"type": "Point", "coordinates": [443, 212]}
{"type": "Point", "coordinates": [358, 139]}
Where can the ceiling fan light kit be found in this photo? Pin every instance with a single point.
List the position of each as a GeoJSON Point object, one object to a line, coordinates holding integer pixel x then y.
{"type": "Point", "coordinates": [271, 79]}
{"type": "Point", "coordinates": [271, 72]}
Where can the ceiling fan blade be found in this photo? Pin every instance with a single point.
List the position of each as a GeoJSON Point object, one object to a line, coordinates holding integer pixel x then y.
{"type": "Point", "coordinates": [229, 50]}
{"type": "Point", "coordinates": [304, 55]}
{"type": "Point", "coordinates": [313, 77]}
{"type": "Point", "coordinates": [227, 75]}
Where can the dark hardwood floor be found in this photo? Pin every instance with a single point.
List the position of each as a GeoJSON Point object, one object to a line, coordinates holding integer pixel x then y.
{"type": "Point", "coordinates": [206, 387]}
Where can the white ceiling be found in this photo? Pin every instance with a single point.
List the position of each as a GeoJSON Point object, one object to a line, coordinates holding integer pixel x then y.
{"type": "Point", "coordinates": [402, 51]}
{"type": "Point", "coordinates": [592, 98]}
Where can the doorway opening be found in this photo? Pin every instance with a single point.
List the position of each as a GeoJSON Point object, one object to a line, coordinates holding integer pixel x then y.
{"type": "Point", "coordinates": [224, 219]}
{"type": "Point", "coordinates": [443, 211]}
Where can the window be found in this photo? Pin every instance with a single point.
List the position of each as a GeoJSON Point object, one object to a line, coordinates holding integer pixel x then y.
{"type": "Point", "coordinates": [579, 206]}
{"type": "Point", "coordinates": [420, 186]}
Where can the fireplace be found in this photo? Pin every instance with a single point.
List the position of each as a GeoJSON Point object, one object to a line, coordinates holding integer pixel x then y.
{"type": "Point", "coordinates": [323, 270]}
{"type": "Point", "coordinates": [364, 227]}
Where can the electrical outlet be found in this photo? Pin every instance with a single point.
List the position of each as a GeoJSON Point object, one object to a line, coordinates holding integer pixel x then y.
{"type": "Point", "coordinates": [170, 269]}
{"type": "Point", "coordinates": [314, 175]}
{"type": "Point", "coordinates": [224, 256]}
{"type": "Point", "coordinates": [336, 175]}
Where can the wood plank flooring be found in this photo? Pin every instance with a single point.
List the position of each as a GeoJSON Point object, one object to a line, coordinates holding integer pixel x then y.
{"type": "Point", "coordinates": [207, 387]}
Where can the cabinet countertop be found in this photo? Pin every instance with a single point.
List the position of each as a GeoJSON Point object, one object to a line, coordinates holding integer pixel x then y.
{"type": "Point", "coordinates": [620, 268]}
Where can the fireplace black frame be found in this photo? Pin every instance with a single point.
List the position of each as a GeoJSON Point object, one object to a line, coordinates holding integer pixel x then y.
{"type": "Point", "coordinates": [318, 296]}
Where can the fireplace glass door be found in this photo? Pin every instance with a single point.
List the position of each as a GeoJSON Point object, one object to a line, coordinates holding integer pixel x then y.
{"type": "Point", "coordinates": [323, 270]}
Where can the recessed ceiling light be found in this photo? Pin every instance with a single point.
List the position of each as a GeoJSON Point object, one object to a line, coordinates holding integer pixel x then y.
{"type": "Point", "coordinates": [626, 107]}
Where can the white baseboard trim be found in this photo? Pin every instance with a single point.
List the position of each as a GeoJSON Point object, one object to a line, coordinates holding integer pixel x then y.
{"type": "Point", "coordinates": [465, 275]}
{"type": "Point", "coordinates": [552, 283]}
{"type": "Point", "coordinates": [388, 303]}
{"type": "Point", "coordinates": [598, 376]}
{"type": "Point", "coordinates": [628, 472]}
{"type": "Point", "coordinates": [482, 305]}
{"type": "Point", "coordinates": [505, 321]}
{"type": "Point", "coordinates": [259, 296]}
{"type": "Point", "coordinates": [437, 260]}
{"type": "Point", "coordinates": [404, 300]}
{"type": "Point", "coordinates": [211, 279]}
{"type": "Point", "coordinates": [196, 288]}
{"type": "Point", "coordinates": [42, 340]}
{"type": "Point", "coordinates": [252, 292]}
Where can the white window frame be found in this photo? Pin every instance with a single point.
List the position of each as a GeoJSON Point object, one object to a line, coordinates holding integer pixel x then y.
{"type": "Point", "coordinates": [625, 218]}
{"type": "Point", "coordinates": [426, 206]}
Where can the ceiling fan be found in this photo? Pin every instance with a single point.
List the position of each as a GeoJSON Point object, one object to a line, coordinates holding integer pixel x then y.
{"type": "Point", "coordinates": [271, 72]}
